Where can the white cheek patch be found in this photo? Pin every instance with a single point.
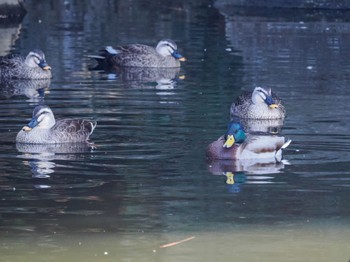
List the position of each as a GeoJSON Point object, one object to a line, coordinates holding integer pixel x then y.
{"type": "Point", "coordinates": [262, 96]}
{"type": "Point", "coordinates": [41, 118]}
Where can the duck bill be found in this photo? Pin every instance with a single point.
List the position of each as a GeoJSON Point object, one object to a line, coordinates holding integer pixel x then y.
{"type": "Point", "coordinates": [229, 141]}
{"type": "Point", "coordinates": [33, 123]}
{"type": "Point", "coordinates": [270, 102]}
{"type": "Point", "coordinates": [44, 65]}
{"type": "Point", "coordinates": [26, 128]}
{"type": "Point", "coordinates": [177, 56]}
{"type": "Point", "coordinates": [47, 67]}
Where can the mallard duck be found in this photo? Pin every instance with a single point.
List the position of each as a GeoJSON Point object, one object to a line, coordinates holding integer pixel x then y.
{"type": "Point", "coordinates": [259, 104]}
{"type": "Point", "coordinates": [34, 66]}
{"type": "Point", "coordinates": [44, 129]}
{"type": "Point", "coordinates": [236, 144]}
{"type": "Point", "coordinates": [165, 55]}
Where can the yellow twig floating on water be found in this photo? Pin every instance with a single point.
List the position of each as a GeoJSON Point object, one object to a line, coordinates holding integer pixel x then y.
{"type": "Point", "coordinates": [177, 242]}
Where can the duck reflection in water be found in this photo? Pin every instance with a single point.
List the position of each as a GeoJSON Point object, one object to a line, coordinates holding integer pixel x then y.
{"type": "Point", "coordinates": [239, 172]}
{"type": "Point", "coordinates": [138, 77]}
{"type": "Point", "coordinates": [34, 89]}
{"type": "Point", "coordinates": [41, 157]}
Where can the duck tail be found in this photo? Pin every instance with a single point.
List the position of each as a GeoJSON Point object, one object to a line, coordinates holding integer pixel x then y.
{"type": "Point", "coordinates": [286, 144]}
{"type": "Point", "coordinates": [97, 57]}
{"type": "Point", "coordinates": [101, 62]}
{"type": "Point", "coordinates": [103, 58]}
{"type": "Point", "coordinates": [111, 51]}
{"type": "Point", "coordinates": [93, 126]}
{"type": "Point", "coordinates": [278, 155]}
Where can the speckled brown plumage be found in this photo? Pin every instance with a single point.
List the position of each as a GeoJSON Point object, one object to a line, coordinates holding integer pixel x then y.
{"type": "Point", "coordinates": [138, 55]}
{"type": "Point", "coordinates": [15, 67]}
{"type": "Point", "coordinates": [49, 131]}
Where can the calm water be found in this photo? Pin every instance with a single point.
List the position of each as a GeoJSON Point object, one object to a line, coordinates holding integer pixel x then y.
{"type": "Point", "coordinates": [147, 182]}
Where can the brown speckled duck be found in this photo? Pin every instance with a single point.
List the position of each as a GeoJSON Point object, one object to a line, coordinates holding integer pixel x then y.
{"type": "Point", "coordinates": [259, 104]}
{"type": "Point", "coordinates": [44, 129]}
{"type": "Point", "coordinates": [165, 55]}
{"type": "Point", "coordinates": [33, 66]}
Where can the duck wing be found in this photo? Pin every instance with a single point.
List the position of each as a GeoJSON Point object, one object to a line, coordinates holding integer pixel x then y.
{"type": "Point", "coordinates": [72, 130]}
{"type": "Point", "coordinates": [278, 101]}
{"type": "Point", "coordinates": [243, 98]}
{"type": "Point", "coordinates": [243, 101]}
{"type": "Point", "coordinates": [135, 49]}
{"type": "Point", "coordinates": [215, 150]}
{"type": "Point", "coordinates": [8, 61]}
{"type": "Point", "coordinates": [135, 56]}
{"type": "Point", "coordinates": [263, 146]}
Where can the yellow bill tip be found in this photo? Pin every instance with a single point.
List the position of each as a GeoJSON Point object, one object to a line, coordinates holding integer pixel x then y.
{"type": "Point", "coordinates": [47, 67]}
{"type": "Point", "coordinates": [230, 178]}
{"type": "Point", "coordinates": [273, 106]}
{"type": "Point", "coordinates": [26, 128]}
{"type": "Point", "coordinates": [182, 59]}
{"type": "Point", "coordinates": [182, 77]}
{"type": "Point", "coordinates": [229, 141]}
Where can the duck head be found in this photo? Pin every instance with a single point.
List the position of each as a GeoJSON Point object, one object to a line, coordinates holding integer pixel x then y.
{"type": "Point", "coordinates": [234, 134]}
{"type": "Point", "coordinates": [42, 118]}
{"type": "Point", "coordinates": [167, 47]}
{"type": "Point", "coordinates": [262, 95]}
{"type": "Point", "coordinates": [37, 58]}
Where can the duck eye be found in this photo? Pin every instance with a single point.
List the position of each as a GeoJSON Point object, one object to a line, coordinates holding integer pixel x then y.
{"type": "Point", "coordinates": [42, 114]}
{"type": "Point", "coordinates": [36, 59]}
{"type": "Point", "coordinates": [172, 48]}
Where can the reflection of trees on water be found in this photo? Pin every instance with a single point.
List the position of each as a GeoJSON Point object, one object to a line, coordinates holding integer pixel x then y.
{"type": "Point", "coordinates": [8, 36]}
{"type": "Point", "coordinates": [11, 15]}
{"type": "Point", "coordinates": [280, 47]}
{"type": "Point", "coordinates": [295, 4]}
{"type": "Point", "coordinates": [11, 11]}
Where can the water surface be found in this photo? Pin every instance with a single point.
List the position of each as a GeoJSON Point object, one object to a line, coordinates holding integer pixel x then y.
{"type": "Point", "coordinates": [147, 182]}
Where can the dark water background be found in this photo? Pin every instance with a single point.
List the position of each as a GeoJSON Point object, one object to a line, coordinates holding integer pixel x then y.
{"type": "Point", "coordinates": [147, 182]}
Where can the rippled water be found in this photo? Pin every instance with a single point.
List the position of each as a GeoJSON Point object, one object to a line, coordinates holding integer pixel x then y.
{"type": "Point", "coordinates": [147, 182]}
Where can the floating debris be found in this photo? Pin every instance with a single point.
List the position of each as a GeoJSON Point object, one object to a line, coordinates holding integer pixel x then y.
{"type": "Point", "coordinates": [177, 242]}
